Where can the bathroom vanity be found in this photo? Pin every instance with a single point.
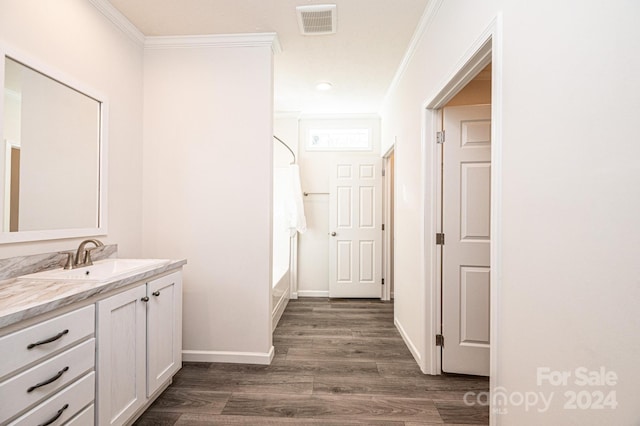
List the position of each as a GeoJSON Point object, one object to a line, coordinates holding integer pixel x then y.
{"type": "Point", "coordinates": [94, 345]}
{"type": "Point", "coordinates": [97, 341]}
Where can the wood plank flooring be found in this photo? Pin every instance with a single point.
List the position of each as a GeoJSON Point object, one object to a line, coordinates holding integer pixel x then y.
{"type": "Point", "coordinates": [337, 362]}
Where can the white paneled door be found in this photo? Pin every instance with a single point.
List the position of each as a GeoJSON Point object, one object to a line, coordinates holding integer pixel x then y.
{"type": "Point", "coordinates": [355, 228]}
{"type": "Point", "coordinates": [466, 217]}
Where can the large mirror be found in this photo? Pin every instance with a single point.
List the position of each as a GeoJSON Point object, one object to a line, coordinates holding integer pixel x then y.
{"type": "Point", "coordinates": [51, 161]}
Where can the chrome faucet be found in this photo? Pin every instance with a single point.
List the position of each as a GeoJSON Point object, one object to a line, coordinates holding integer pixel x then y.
{"type": "Point", "coordinates": [83, 255]}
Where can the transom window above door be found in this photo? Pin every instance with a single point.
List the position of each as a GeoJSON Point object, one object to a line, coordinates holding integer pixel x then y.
{"type": "Point", "coordinates": [339, 140]}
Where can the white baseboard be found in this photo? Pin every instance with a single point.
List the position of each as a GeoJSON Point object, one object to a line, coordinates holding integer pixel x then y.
{"type": "Point", "coordinates": [263, 358]}
{"type": "Point", "coordinates": [409, 343]}
{"type": "Point", "coordinates": [312, 293]}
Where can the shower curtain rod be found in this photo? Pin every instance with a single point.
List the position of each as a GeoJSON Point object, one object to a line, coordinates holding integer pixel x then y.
{"type": "Point", "coordinates": [287, 146]}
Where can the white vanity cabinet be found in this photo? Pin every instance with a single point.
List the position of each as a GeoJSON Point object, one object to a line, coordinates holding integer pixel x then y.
{"type": "Point", "coordinates": [121, 356]}
{"type": "Point", "coordinates": [164, 330]}
{"type": "Point", "coordinates": [139, 346]}
{"type": "Point", "coordinates": [47, 373]}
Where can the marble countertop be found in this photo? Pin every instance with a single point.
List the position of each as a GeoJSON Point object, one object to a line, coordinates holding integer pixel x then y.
{"type": "Point", "coordinates": [24, 299]}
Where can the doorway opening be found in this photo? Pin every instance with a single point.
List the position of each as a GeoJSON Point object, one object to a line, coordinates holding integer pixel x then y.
{"type": "Point", "coordinates": [464, 200]}
{"type": "Point", "coordinates": [487, 49]}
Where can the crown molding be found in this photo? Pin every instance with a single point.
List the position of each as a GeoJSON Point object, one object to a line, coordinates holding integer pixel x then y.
{"type": "Point", "coordinates": [189, 41]}
{"type": "Point", "coordinates": [424, 24]}
{"type": "Point", "coordinates": [214, 40]}
{"type": "Point", "coordinates": [120, 21]}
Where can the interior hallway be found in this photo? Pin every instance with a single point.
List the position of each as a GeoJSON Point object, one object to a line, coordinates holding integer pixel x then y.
{"type": "Point", "coordinates": [337, 362]}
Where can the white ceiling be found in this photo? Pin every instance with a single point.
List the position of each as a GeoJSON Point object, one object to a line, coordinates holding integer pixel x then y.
{"type": "Point", "coordinates": [360, 60]}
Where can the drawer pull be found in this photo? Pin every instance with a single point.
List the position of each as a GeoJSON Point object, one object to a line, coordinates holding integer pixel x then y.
{"type": "Point", "coordinates": [49, 340]}
{"type": "Point", "coordinates": [46, 382]}
{"type": "Point", "coordinates": [156, 293]}
{"type": "Point", "coordinates": [145, 299]}
{"type": "Point", "coordinates": [54, 418]}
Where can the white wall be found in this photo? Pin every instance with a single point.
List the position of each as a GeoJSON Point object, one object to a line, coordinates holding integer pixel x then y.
{"type": "Point", "coordinates": [569, 287]}
{"type": "Point", "coordinates": [74, 38]}
{"type": "Point", "coordinates": [315, 167]}
{"type": "Point", "coordinates": [207, 191]}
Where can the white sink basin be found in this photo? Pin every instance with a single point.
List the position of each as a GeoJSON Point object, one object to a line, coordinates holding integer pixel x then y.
{"type": "Point", "coordinates": [100, 271]}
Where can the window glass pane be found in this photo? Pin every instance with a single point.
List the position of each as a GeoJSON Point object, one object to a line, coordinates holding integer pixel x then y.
{"type": "Point", "coordinates": [339, 140]}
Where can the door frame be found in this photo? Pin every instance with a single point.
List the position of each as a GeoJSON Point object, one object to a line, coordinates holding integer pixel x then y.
{"type": "Point", "coordinates": [486, 49]}
{"type": "Point", "coordinates": [387, 237]}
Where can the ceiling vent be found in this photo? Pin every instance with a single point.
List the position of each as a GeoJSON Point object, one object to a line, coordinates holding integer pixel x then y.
{"type": "Point", "coordinates": [317, 19]}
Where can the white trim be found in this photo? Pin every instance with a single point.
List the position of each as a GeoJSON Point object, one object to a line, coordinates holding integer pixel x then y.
{"type": "Point", "coordinates": [472, 62]}
{"type": "Point", "coordinates": [423, 25]}
{"type": "Point", "coordinates": [186, 41]}
{"type": "Point", "coordinates": [119, 20]}
{"type": "Point", "coordinates": [386, 219]}
{"type": "Point", "coordinates": [409, 343]}
{"type": "Point", "coordinates": [69, 81]}
{"type": "Point", "coordinates": [215, 40]}
{"type": "Point", "coordinates": [263, 358]}
{"type": "Point", "coordinates": [496, 203]}
{"type": "Point", "coordinates": [37, 65]}
{"type": "Point", "coordinates": [431, 123]}
{"type": "Point", "coordinates": [312, 293]}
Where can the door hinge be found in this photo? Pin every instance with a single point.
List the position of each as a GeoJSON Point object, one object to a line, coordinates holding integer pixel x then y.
{"type": "Point", "coordinates": [383, 281]}
{"type": "Point", "coordinates": [440, 239]}
{"type": "Point", "coordinates": [383, 172]}
{"type": "Point", "coordinates": [440, 137]}
{"type": "Point", "coordinates": [439, 340]}
{"type": "Point", "coordinates": [383, 226]}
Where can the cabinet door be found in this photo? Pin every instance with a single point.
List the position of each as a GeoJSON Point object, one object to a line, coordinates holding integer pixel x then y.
{"type": "Point", "coordinates": [121, 356]}
{"type": "Point", "coordinates": [164, 329]}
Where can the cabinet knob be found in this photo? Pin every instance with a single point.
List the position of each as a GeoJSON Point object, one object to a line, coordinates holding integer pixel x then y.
{"type": "Point", "coordinates": [156, 293]}
{"type": "Point", "coordinates": [145, 299]}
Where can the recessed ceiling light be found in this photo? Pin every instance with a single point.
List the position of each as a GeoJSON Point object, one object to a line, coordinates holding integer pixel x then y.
{"type": "Point", "coordinates": [324, 86]}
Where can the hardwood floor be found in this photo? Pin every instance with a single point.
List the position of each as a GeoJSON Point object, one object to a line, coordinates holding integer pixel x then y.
{"type": "Point", "coordinates": [337, 362]}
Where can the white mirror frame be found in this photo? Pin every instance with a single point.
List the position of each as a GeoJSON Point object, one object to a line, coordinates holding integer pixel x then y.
{"type": "Point", "coordinates": [54, 234]}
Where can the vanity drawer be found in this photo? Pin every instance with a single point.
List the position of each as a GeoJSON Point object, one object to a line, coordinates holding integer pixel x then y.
{"type": "Point", "coordinates": [74, 398]}
{"type": "Point", "coordinates": [85, 418]}
{"type": "Point", "coordinates": [51, 375]}
{"type": "Point", "coordinates": [68, 328]}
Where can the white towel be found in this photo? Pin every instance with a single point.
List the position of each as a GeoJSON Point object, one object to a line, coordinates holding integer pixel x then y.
{"type": "Point", "coordinates": [295, 205]}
